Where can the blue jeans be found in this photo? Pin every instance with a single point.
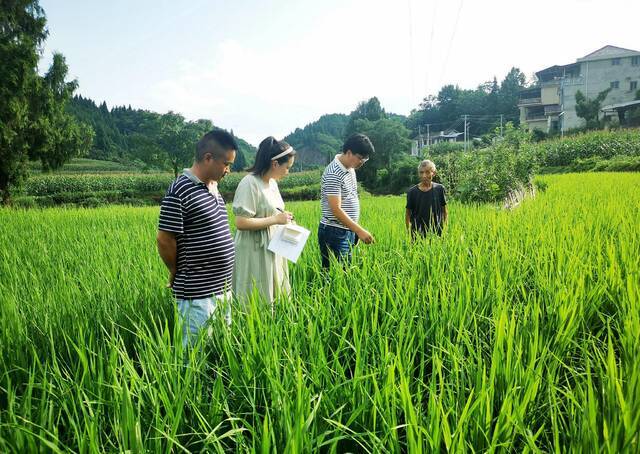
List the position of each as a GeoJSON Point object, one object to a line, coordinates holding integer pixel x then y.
{"type": "Point", "coordinates": [195, 314]}
{"type": "Point", "coordinates": [336, 241]}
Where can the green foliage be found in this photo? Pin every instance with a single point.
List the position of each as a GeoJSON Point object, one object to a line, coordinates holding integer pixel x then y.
{"type": "Point", "coordinates": [484, 105]}
{"type": "Point", "coordinates": [177, 139]}
{"type": "Point", "coordinates": [392, 144]}
{"type": "Point", "coordinates": [540, 184]}
{"type": "Point", "coordinates": [538, 135]}
{"type": "Point", "coordinates": [33, 121]}
{"type": "Point", "coordinates": [601, 144]}
{"type": "Point", "coordinates": [442, 148]}
{"type": "Point", "coordinates": [160, 142]}
{"type": "Point", "coordinates": [489, 174]}
{"type": "Point", "coordinates": [398, 178]}
{"type": "Point", "coordinates": [516, 331]}
{"type": "Point", "coordinates": [318, 142]}
{"type": "Point", "coordinates": [370, 110]}
{"type": "Point", "coordinates": [111, 187]}
{"type": "Point", "coordinates": [93, 166]}
{"type": "Point", "coordinates": [390, 139]}
{"type": "Point", "coordinates": [589, 109]}
{"type": "Point", "coordinates": [619, 163]}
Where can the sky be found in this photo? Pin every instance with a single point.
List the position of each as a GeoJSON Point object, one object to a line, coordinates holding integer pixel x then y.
{"type": "Point", "coordinates": [268, 67]}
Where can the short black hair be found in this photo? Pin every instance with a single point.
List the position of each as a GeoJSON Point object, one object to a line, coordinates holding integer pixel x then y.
{"type": "Point", "coordinates": [267, 149]}
{"type": "Point", "coordinates": [358, 144]}
{"type": "Point", "coordinates": [216, 142]}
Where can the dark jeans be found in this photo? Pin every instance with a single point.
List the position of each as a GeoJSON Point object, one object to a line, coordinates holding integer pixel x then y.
{"type": "Point", "coordinates": [336, 241]}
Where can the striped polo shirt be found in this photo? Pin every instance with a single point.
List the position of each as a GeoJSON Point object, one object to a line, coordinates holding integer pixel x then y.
{"type": "Point", "coordinates": [338, 180]}
{"type": "Point", "coordinates": [199, 220]}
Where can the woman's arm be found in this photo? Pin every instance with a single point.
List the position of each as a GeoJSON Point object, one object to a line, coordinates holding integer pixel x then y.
{"type": "Point", "coordinates": [244, 223]}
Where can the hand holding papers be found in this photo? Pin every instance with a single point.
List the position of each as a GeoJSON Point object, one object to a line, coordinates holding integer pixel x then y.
{"type": "Point", "coordinates": [288, 241]}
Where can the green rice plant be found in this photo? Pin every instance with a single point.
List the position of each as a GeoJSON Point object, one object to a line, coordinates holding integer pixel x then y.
{"type": "Point", "coordinates": [516, 331]}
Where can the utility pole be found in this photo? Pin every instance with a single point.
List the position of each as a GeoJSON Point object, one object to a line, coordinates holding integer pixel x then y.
{"type": "Point", "coordinates": [428, 137]}
{"type": "Point", "coordinates": [501, 125]}
{"type": "Point", "coordinates": [465, 133]}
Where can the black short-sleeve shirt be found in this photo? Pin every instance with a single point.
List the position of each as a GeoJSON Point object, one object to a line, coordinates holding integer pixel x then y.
{"type": "Point", "coordinates": [426, 208]}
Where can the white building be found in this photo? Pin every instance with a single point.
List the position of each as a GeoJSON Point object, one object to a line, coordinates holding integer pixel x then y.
{"type": "Point", "coordinates": [550, 105]}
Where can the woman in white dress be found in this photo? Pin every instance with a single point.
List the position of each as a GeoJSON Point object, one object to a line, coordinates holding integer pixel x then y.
{"type": "Point", "coordinates": [258, 209]}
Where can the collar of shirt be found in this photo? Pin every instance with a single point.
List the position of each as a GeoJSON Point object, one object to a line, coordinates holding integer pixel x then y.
{"type": "Point", "coordinates": [337, 159]}
{"type": "Point", "coordinates": [187, 173]}
{"type": "Point", "coordinates": [213, 188]}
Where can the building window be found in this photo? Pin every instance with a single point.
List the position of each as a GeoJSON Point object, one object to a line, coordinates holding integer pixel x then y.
{"type": "Point", "coordinates": [635, 61]}
{"type": "Point", "coordinates": [633, 85]}
{"type": "Point", "coordinates": [615, 84]}
{"type": "Point", "coordinates": [615, 61]}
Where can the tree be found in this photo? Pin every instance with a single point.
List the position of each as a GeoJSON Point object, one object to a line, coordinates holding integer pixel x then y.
{"type": "Point", "coordinates": [370, 110]}
{"type": "Point", "coordinates": [390, 139]}
{"type": "Point", "coordinates": [55, 136]}
{"type": "Point", "coordinates": [22, 31]}
{"type": "Point", "coordinates": [588, 109]}
{"type": "Point", "coordinates": [318, 142]}
{"type": "Point", "coordinates": [510, 88]}
{"type": "Point", "coordinates": [177, 139]}
{"type": "Point", "coordinates": [33, 121]}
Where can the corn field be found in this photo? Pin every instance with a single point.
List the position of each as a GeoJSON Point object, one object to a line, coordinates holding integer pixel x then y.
{"type": "Point", "coordinates": [517, 331]}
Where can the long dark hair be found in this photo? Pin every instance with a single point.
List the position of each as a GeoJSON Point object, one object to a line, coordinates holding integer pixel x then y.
{"type": "Point", "coordinates": [269, 148]}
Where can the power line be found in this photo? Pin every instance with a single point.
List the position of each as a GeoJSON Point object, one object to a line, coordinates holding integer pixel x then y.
{"type": "Point", "coordinates": [430, 49]}
{"type": "Point", "coordinates": [453, 35]}
{"type": "Point", "coordinates": [413, 88]}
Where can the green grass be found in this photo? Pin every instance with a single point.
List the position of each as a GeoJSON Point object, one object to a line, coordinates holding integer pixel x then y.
{"type": "Point", "coordinates": [517, 331]}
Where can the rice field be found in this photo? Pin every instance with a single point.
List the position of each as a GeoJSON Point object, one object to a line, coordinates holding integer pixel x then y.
{"type": "Point", "coordinates": [518, 331]}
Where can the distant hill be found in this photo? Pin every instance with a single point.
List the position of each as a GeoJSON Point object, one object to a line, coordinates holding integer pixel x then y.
{"type": "Point", "coordinates": [124, 134]}
{"type": "Point", "coordinates": [319, 141]}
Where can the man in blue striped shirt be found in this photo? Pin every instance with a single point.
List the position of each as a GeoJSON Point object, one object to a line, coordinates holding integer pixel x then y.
{"type": "Point", "coordinates": [194, 239]}
{"type": "Point", "coordinates": [339, 229]}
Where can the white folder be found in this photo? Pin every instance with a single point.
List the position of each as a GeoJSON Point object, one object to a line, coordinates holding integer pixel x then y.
{"type": "Point", "coordinates": [288, 241]}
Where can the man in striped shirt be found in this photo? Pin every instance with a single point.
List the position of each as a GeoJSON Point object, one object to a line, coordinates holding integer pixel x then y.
{"type": "Point", "coordinates": [194, 239]}
{"type": "Point", "coordinates": [339, 230]}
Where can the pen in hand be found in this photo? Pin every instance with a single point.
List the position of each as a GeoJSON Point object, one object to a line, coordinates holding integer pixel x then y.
{"type": "Point", "coordinates": [282, 211]}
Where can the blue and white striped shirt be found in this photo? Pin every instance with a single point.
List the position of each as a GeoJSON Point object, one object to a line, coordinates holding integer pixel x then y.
{"type": "Point", "coordinates": [338, 180]}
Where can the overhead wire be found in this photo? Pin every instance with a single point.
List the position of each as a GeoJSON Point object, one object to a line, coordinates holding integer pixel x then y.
{"type": "Point", "coordinates": [453, 35]}
{"type": "Point", "coordinates": [411, 67]}
{"type": "Point", "coordinates": [430, 47]}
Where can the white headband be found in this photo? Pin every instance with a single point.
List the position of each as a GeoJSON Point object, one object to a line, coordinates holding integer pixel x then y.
{"type": "Point", "coordinates": [284, 153]}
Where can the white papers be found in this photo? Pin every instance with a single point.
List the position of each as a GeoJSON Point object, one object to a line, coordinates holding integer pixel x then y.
{"type": "Point", "coordinates": [288, 241]}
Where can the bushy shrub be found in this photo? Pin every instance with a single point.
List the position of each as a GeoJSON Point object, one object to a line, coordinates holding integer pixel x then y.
{"type": "Point", "coordinates": [488, 174]}
{"type": "Point", "coordinates": [600, 144]}
{"type": "Point", "coordinates": [43, 185]}
{"type": "Point", "coordinates": [540, 184]}
{"type": "Point", "coordinates": [618, 164]}
{"type": "Point", "coordinates": [138, 189]}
